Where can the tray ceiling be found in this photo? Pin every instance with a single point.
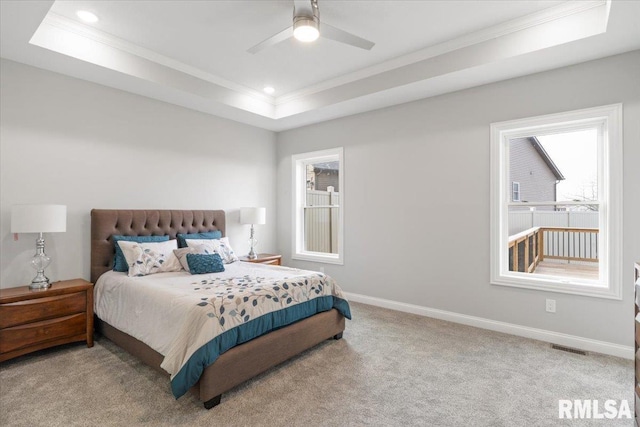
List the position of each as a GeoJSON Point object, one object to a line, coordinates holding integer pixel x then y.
{"type": "Point", "coordinates": [194, 53]}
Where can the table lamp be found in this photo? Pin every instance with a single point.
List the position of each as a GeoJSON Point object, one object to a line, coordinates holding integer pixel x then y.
{"type": "Point", "coordinates": [253, 216]}
{"type": "Point", "coordinates": [39, 219]}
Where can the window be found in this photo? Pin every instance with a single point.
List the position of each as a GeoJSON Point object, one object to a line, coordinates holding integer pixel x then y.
{"type": "Point", "coordinates": [515, 191]}
{"type": "Point", "coordinates": [318, 206]}
{"type": "Point", "coordinates": [563, 233]}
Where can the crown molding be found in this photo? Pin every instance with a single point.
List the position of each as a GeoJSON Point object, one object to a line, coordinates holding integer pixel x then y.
{"type": "Point", "coordinates": [500, 30]}
{"type": "Point", "coordinates": [509, 27]}
{"type": "Point", "coordinates": [388, 83]}
{"type": "Point", "coordinates": [74, 27]}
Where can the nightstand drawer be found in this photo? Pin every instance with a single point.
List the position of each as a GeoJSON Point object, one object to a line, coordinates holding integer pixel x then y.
{"type": "Point", "coordinates": [46, 330]}
{"type": "Point", "coordinates": [272, 259]}
{"type": "Point", "coordinates": [21, 312]}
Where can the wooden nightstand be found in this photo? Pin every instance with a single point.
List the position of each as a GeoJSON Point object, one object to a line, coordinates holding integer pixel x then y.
{"type": "Point", "coordinates": [264, 259]}
{"type": "Point", "coordinates": [33, 320]}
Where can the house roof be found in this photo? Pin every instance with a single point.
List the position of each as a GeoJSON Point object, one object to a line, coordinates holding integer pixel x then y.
{"type": "Point", "coordinates": [545, 156]}
{"type": "Point", "coordinates": [327, 166]}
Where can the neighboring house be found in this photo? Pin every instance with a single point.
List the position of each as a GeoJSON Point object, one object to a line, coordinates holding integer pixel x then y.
{"type": "Point", "coordinates": [532, 173]}
{"type": "Point", "coordinates": [324, 175]}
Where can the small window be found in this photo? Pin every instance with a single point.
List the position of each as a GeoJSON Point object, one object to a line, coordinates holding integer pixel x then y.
{"type": "Point", "coordinates": [564, 234]}
{"type": "Point", "coordinates": [318, 206]}
{"type": "Point", "coordinates": [515, 191]}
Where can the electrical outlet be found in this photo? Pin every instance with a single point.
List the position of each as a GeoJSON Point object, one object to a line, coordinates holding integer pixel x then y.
{"type": "Point", "coordinates": [551, 306]}
{"type": "Point", "coordinates": [321, 270]}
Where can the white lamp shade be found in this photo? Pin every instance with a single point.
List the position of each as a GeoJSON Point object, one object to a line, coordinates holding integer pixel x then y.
{"type": "Point", "coordinates": [253, 215]}
{"type": "Point", "coordinates": [38, 218]}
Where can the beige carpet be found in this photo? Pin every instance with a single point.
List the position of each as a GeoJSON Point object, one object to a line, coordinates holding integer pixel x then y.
{"type": "Point", "coordinates": [391, 368]}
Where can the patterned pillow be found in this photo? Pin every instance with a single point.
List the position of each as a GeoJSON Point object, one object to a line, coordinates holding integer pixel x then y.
{"type": "Point", "coordinates": [204, 263]}
{"type": "Point", "coordinates": [182, 253]}
{"type": "Point", "coordinates": [150, 258]}
{"type": "Point", "coordinates": [220, 246]}
{"type": "Point", "coordinates": [119, 261]}
{"type": "Point", "coordinates": [209, 235]}
{"type": "Point", "coordinates": [226, 251]}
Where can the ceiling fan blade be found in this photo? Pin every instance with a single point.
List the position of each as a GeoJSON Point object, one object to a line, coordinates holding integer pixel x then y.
{"type": "Point", "coordinates": [333, 33]}
{"type": "Point", "coordinates": [273, 40]}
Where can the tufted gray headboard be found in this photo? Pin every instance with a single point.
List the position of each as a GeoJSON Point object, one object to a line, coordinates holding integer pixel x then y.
{"type": "Point", "coordinates": [107, 222]}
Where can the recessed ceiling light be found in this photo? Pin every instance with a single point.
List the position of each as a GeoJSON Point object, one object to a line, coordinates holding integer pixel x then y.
{"type": "Point", "coordinates": [269, 90]}
{"type": "Point", "coordinates": [87, 16]}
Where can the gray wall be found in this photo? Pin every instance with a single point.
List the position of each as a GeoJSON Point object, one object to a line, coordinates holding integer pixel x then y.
{"type": "Point", "coordinates": [67, 141]}
{"type": "Point", "coordinates": [526, 166]}
{"type": "Point", "coordinates": [418, 233]}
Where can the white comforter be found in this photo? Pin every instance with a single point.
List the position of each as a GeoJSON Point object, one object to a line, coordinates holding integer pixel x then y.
{"type": "Point", "coordinates": [155, 309]}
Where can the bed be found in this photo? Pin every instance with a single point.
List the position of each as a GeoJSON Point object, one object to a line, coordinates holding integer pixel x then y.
{"type": "Point", "coordinates": [242, 361]}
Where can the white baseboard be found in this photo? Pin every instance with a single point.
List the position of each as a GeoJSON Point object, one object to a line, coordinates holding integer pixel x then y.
{"type": "Point", "coordinates": [581, 343]}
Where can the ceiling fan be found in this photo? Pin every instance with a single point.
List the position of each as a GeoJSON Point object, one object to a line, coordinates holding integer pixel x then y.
{"type": "Point", "coordinates": [306, 28]}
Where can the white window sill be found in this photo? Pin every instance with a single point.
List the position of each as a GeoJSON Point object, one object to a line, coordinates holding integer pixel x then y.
{"type": "Point", "coordinates": [556, 284]}
{"type": "Point", "coordinates": [318, 257]}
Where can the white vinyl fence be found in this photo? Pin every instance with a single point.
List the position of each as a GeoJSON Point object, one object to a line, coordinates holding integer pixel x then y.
{"type": "Point", "coordinates": [321, 221]}
{"type": "Point", "coordinates": [523, 220]}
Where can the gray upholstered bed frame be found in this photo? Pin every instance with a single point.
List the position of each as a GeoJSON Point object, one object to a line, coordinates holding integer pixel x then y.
{"type": "Point", "coordinates": [236, 365]}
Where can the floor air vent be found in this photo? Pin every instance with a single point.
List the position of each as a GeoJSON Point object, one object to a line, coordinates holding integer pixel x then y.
{"type": "Point", "coordinates": [568, 349]}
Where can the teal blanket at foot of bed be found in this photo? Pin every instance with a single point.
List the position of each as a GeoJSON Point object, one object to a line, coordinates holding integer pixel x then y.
{"type": "Point", "coordinates": [209, 353]}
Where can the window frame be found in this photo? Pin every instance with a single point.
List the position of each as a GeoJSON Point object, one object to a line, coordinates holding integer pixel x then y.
{"type": "Point", "coordinates": [298, 166]}
{"type": "Point", "coordinates": [514, 191]}
{"type": "Point", "coordinates": [609, 119]}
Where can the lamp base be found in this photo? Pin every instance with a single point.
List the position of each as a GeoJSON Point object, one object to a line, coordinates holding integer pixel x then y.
{"type": "Point", "coordinates": [40, 282]}
{"type": "Point", "coordinates": [39, 286]}
{"type": "Point", "coordinates": [252, 242]}
{"type": "Point", "coordinates": [40, 261]}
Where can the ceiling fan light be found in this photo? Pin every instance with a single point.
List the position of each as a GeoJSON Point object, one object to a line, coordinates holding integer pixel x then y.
{"type": "Point", "coordinates": [306, 30]}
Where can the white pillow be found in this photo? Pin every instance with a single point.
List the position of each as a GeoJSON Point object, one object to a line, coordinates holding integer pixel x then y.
{"type": "Point", "coordinates": [226, 251]}
{"type": "Point", "coordinates": [220, 246]}
{"type": "Point", "coordinates": [181, 254]}
{"type": "Point", "coordinates": [150, 258]}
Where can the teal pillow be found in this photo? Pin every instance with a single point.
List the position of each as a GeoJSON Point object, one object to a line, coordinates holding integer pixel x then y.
{"type": "Point", "coordinates": [119, 261]}
{"type": "Point", "coordinates": [205, 263]}
{"type": "Point", "coordinates": [182, 238]}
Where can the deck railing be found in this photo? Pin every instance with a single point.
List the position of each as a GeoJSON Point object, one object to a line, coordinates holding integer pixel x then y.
{"type": "Point", "coordinates": [528, 248]}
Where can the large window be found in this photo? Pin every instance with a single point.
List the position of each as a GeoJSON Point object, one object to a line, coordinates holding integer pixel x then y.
{"type": "Point", "coordinates": [560, 229]}
{"type": "Point", "coordinates": [318, 206]}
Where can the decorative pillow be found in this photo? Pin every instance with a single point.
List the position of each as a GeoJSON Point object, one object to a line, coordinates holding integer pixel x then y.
{"type": "Point", "coordinates": [226, 251]}
{"type": "Point", "coordinates": [209, 235]}
{"type": "Point", "coordinates": [119, 261]}
{"type": "Point", "coordinates": [220, 246]}
{"type": "Point", "coordinates": [150, 258]}
{"type": "Point", "coordinates": [181, 254]}
{"type": "Point", "coordinates": [205, 263]}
